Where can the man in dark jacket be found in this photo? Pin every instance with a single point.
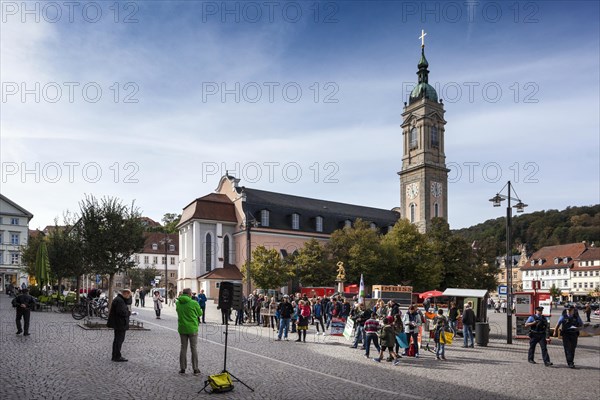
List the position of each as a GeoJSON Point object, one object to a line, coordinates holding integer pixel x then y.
{"type": "Point", "coordinates": [285, 313]}
{"type": "Point", "coordinates": [24, 304]}
{"type": "Point", "coordinates": [468, 320]}
{"type": "Point", "coordinates": [118, 319]}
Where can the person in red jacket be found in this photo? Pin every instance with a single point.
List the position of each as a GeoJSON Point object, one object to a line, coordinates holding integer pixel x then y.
{"type": "Point", "coordinates": [303, 318]}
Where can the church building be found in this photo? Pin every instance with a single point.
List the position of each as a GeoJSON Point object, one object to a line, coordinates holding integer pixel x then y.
{"type": "Point", "coordinates": [218, 231]}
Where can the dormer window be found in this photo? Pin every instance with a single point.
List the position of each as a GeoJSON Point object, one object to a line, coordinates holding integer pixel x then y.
{"type": "Point", "coordinates": [533, 263]}
{"type": "Point", "coordinates": [171, 247]}
{"type": "Point", "coordinates": [319, 224]}
{"type": "Point", "coordinates": [566, 260]}
{"type": "Point", "coordinates": [154, 246]}
{"type": "Point", "coordinates": [295, 221]}
{"type": "Point", "coordinates": [347, 224]}
{"type": "Point", "coordinates": [264, 218]}
{"type": "Point", "coordinates": [373, 226]}
{"type": "Point", "coordinates": [556, 260]}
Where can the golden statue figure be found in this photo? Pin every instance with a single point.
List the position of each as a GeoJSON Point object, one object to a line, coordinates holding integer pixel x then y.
{"type": "Point", "coordinates": [341, 271]}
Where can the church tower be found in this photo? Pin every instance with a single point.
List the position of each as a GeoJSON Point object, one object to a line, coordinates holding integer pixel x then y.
{"type": "Point", "coordinates": [424, 176]}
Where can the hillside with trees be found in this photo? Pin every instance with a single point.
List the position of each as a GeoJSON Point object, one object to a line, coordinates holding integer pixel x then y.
{"type": "Point", "coordinates": [540, 228]}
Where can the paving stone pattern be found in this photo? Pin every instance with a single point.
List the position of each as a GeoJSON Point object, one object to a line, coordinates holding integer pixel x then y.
{"type": "Point", "coordinates": [60, 360]}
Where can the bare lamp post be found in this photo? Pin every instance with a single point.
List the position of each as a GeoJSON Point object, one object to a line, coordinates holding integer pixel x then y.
{"type": "Point", "coordinates": [496, 200]}
{"type": "Point", "coordinates": [166, 241]}
{"type": "Point", "coordinates": [250, 221]}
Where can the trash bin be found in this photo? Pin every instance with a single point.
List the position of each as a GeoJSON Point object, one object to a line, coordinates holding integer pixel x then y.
{"type": "Point", "coordinates": [482, 333]}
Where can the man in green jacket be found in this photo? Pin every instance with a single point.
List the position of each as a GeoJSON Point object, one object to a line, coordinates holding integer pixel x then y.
{"type": "Point", "coordinates": [188, 314]}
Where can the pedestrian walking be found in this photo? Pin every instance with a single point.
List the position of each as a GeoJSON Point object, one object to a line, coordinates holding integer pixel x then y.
{"type": "Point", "coordinates": [171, 298]}
{"type": "Point", "coordinates": [569, 324]}
{"type": "Point", "coordinates": [202, 303]}
{"type": "Point", "coordinates": [143, 297]}
{"type": "Point", "coordinates": [468, 320]}
{"type": "Point", "coordinates": [538, 325]}
{"type": "Point", "coordinates": [24, 303]}
{"type": "Point", "coordinates": [118, 319]}
{"type": "Point", "coordinates": [588, 312]}
{"type": "Point", "coordinates": [158, 303]}
{"type": "Point", "coordinates": [136, 297]}
{"type": "Point", "coordinates": [188, 317]}
{"type": "Point", "coordinates": [371, 329]}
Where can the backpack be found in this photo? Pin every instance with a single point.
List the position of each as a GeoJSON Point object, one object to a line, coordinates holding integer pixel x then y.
{"type": "Point", "coordinates": [219, 383]}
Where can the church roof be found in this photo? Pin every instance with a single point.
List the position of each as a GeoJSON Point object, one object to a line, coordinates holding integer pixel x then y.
{"type": "Point", "coordinates": [228, 272]}
{"type": "Point", "coordinates": [282, 206]}
{"type": "Point", "coordinates": [214, 206]}
{"type": "Point", "coordinates": [423, 88]}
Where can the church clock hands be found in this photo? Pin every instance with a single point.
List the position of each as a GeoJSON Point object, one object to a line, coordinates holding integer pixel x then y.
{"type": "Point", "coordinates": [412, 190]}
{"type": "Point", "coordinates": [436, 189]}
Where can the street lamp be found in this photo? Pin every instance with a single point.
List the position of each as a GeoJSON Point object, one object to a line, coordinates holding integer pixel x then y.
{"type": "Point", "coordinates": [249, 223]}
{"type": "Point", "coordinates": [496, 201]}
{"type": "Point", "coordinates": [166, 241]}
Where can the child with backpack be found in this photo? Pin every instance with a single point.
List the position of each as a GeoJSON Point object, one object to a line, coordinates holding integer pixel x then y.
{"type": "Point", "coordinates": [440, 322]}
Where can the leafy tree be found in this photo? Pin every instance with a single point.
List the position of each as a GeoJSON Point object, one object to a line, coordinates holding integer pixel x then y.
{"type": "Point", "coordinates": [111, 233]}
{"type": "Point", "coordinates": [313, 266]}
{"type": "Point", "coordinates": [142, 276]}
{"type": "Point", "coordinates": [65, 253]}
{"type": "Point", "coordinates": [359, 248]}
{"type": "Point", "coordinates": [555, 292]}
{"type": "Point", "coordinates": [267, 269]}
{"type": "Point", "coordinates": [464, 264]}
{"type": "Point", "coordinates": [170, 221]}
{"type": "Point", "coordinates": [407, 257]}
{"type": "Point", "coordinates": [541, 228]}
{"type": "Point", "coordinates": [29, 253]}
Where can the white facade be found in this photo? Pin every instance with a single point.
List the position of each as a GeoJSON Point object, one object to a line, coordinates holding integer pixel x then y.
{"type": "Point", "coordinates": [559, 276]}
{"type": "Point", "coordinates": [584, 281]}
{"type": "Point", "coordinates": [205, 246]}
{"type": "Point", "coordinates": [14, 233]}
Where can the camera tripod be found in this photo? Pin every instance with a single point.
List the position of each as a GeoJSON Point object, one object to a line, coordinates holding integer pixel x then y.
{"type": "Point", "coordinates": [235, 378]}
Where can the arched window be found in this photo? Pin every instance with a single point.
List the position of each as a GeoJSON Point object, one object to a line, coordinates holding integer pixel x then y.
{"type": "Point", "coordinates": [226, 250]}
{"type": "Point", "coordinates": [295, 221]}
{"type": "Point", "coordinates": [436, 210]}
{"type": "Point", "coordinates": [413, 213]}
{"type": "Point", "coordinates": [413, 139]}
{"type": "Point", "coordinates": [208, 252]}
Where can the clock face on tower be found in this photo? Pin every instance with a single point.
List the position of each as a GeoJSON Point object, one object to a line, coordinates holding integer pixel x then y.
{"type": "Point", "coordinates": [436, 189]}
{"type": "Point", "coordinates": [412, 190]}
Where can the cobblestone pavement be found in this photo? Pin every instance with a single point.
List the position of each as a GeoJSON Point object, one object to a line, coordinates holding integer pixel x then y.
{"type": "Point", "coordinates": [60, 360]}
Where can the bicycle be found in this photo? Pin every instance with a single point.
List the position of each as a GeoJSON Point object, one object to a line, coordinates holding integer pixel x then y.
{"type": "Point", "coordinates": [93, 307]}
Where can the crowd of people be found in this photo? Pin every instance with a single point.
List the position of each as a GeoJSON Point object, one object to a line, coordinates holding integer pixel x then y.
{"type": "Point", "coordinates": [383, 325]}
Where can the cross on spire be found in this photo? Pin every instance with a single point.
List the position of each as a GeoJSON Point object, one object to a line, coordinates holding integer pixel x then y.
{"type": "Point", "coordinates": [422, 37]}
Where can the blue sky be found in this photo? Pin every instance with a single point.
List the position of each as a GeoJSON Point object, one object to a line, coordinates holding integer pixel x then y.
{"type": "Point", "coordinates": [520, 83]}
